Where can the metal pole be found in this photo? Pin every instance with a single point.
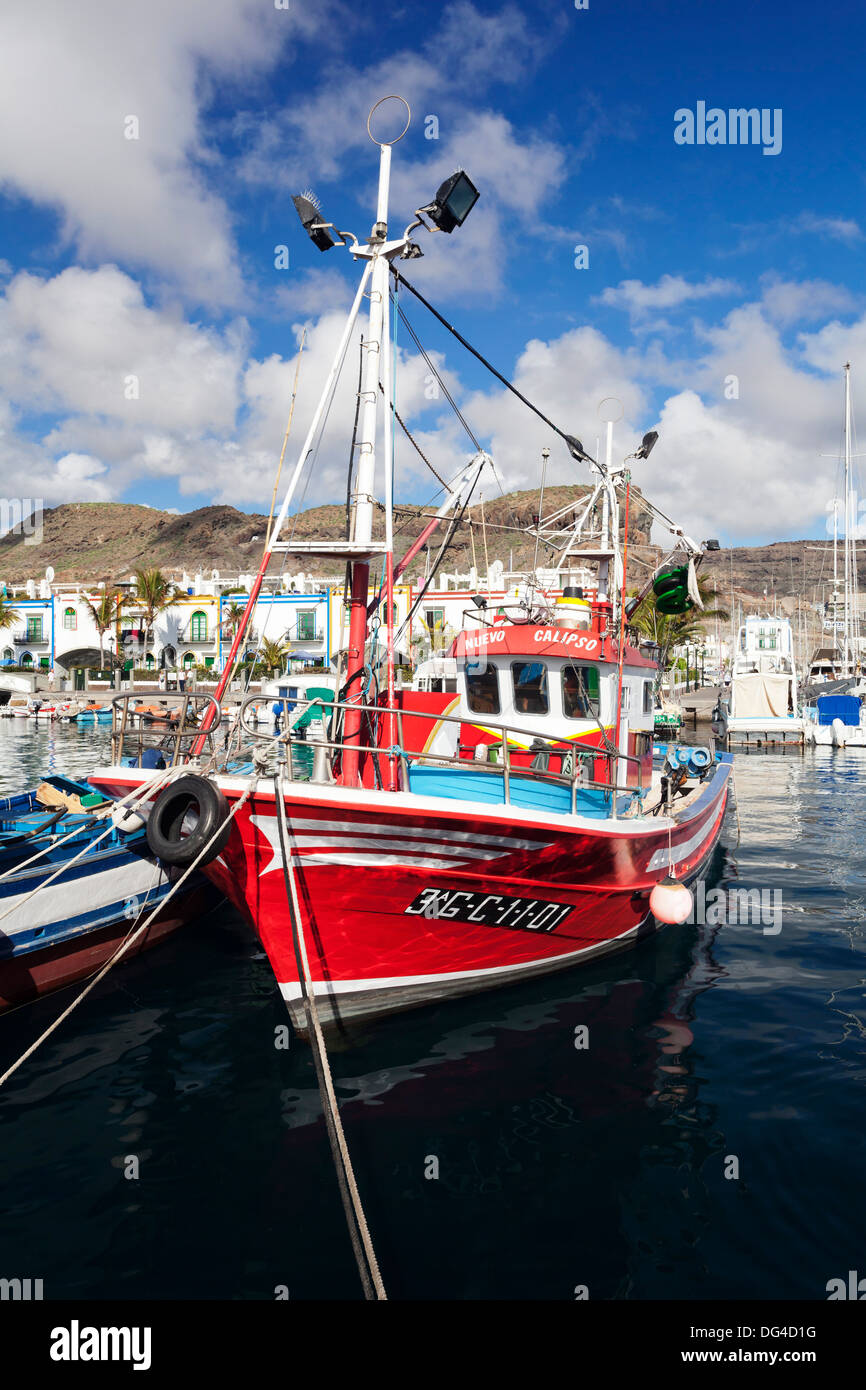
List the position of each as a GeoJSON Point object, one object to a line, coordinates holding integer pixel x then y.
{"type": "Point", "coordinates": [604, 565]}
{"type": "Point", "coordinates": [366, 474]}
{"type": "Point", "coordinates": [389, 526]}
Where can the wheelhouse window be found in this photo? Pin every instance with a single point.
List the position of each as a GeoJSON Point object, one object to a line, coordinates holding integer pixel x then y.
{"type": "Point", "coordinates": [482, 689]}
{"type": "Point", "coordinates": [580, 692]}
{"type": "Point", "coordinates": [530, 687]}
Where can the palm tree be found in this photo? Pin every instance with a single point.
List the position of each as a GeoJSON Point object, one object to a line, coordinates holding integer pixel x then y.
{"type": "Point", "coordinates": [271, 655]}
{"type": "Point", "coordinates": [669, 630]}
{"type": "Point", "coordinates": [8, 615]}
{"type": "Point", "coordinates": [232, 616]}
{"type": "Point", "coordinates": [153, 592]}
{"type": "Point", "coordinates": [105, 614]}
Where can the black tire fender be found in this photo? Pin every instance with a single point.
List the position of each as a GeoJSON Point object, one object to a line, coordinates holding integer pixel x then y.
{"type": "Point", "coordinates": [165, 836]}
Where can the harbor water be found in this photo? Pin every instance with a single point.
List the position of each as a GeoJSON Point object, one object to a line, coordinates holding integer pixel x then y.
{"type": "Point", "coordinates": [681, 1121]}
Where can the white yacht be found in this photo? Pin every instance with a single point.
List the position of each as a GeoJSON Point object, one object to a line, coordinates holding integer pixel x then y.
{"type": "Point", "coordinates": [764, 692]}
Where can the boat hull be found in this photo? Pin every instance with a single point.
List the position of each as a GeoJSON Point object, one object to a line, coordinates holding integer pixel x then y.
{"type": "Point", "coordinates": [66, 904]}
{"type": "Point", "coordinates": [24, 978]}
{"type": "Point", "coordinates": [407, 899]}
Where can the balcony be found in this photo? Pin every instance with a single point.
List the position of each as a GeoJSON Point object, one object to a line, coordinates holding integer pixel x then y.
{"type": "Point", "coordinates": [31, 640]}
{"type": "Point", "coordinates": [193, 637]}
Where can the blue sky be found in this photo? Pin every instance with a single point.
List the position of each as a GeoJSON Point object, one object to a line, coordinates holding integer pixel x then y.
{"type": "Point", "coordinates": [151, 260]}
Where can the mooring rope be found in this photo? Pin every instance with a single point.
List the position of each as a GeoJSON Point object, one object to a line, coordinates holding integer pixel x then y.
{"type": "Point", "coordinates": [125, 944]}
{"type": "Point", "coordinates": [356, 1221]}
{"type": "Point", "coordinates": [75, 858]}
{"type": "Point", "coordinates": [132, 797]}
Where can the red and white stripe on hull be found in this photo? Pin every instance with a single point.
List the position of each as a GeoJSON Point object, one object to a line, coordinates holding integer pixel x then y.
{"type": "Point", "coordinates": [409, 898]}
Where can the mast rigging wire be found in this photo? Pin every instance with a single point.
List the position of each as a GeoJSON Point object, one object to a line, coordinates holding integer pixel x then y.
{"type": "Point", "coordinates": [479, 356]}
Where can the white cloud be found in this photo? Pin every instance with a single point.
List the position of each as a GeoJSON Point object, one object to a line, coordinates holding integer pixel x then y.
{"type": "Point", "coordinates": [70, 75]}
{"type": "Point", "coordinates": [669, 292]}
{"type": "Point", "coordinates": [837, 228]}
{"type": "Point", "coordinates": [787, 302]}
{"type": "Point", "coordinates": [754, 236]}
{"type": "Point", "coordinates": [85, 341]}
{"type": "Point", "coordinates": [313, 141]}
{"type": "Point", "coordinates": [315, 137]}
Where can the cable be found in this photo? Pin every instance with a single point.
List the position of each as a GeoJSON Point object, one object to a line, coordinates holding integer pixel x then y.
{"type": "Point", "coordinates": [475, 353]}
{"type": "Point", "coordinates": [356, 1221]}
{"type": "Point", "coordinates": [435, 371]}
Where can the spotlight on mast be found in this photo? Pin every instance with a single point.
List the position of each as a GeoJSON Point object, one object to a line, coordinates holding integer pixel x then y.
{"type": "Point", "coordinates": [314, 224]}
{"type": "Point", "coordinates": [454, 200]}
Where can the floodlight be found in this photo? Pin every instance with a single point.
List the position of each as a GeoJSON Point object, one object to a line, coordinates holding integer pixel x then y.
{"type": "Point", "coordinates": [576, 449]}
{"type": "Point", "coordinates": [647, 445]}
{"type": "Point", "coordinates": [454, 200]}
{"type": "Point", "coordinates": [310, 216]}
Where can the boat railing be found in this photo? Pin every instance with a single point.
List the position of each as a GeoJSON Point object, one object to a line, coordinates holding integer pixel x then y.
{"type": "Point", "coordinates": [578, 777]}
{"type": "Point", "coordinates": [170, 723]}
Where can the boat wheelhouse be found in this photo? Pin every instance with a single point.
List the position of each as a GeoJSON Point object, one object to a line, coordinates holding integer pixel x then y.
{"type": "Point", "coordinates": [764, 690]}
{"type": "Point", "coordinates": [826, 665]}
{"type": "Point", "coordinates": [558, 681]}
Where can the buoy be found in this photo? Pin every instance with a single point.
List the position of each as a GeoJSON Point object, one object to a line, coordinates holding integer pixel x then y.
{"type": "Point", "coordinates": [125, 820]}
{"type": "Point", "coordinates": [671, 901]}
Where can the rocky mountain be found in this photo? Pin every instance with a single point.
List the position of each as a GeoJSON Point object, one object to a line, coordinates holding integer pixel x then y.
{"type": "Point", "coordinates": [89, 541]}
{"type": "Point", "coordinates": [109, 540]}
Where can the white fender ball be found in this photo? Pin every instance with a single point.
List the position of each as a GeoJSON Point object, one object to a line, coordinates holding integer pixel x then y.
{"type": "Point", "coordinates": [671, 901]}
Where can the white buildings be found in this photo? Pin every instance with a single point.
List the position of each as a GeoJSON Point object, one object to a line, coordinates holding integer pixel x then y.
{"type": "Point", "coordinates": [56, 627]}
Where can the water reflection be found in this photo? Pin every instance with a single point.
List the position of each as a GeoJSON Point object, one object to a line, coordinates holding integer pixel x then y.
{"type": "Point", "coordinates": [558, 1166]}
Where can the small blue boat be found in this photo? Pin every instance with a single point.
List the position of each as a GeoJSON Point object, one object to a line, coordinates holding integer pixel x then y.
{"type": "Point", "coordinates": [92, 714]}
{"type": "Point", "coordinates": [107, 882]}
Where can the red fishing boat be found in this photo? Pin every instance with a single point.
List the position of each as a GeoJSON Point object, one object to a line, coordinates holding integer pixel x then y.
{"type": "Point", "coordinates": [436, 844]}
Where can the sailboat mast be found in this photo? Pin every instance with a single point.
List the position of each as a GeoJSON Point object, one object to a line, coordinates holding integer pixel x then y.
{"type": "Point", "coordinates": [848, 668]}
{"type": "Point", "coordinates": [604, 575]}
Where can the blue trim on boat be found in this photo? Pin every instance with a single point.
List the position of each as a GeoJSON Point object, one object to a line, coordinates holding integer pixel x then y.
{"type": "Point", "coordinates": [529, 793]}
{"type": "Point", "coordinates": [26, 940]}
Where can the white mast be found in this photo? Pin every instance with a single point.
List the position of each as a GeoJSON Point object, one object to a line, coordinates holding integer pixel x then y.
{"type": "Point", "coordinates": [604, 564]}
{"type": "Point", "coordinates": [847, 650]}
